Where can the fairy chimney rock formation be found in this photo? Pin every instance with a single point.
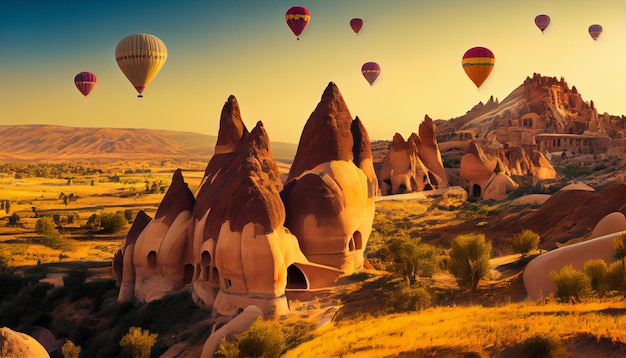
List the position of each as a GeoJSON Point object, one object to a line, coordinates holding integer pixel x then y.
{"type": "Point", "coordinates": [231, 126]}
{"type": "Point", "coordinates": [328, 198]}
{"type": "Point", "coordinates": [326, 135]}
{"type": "Point", "coordinates": [362, 151]}
{"type": "Point", "coordinates": [162, 256]}
{"type": "Point", "coordinates": [428, 153]}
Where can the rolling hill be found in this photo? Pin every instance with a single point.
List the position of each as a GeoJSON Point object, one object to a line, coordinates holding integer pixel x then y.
{"type": "Point", "coordinates": [55, 142]}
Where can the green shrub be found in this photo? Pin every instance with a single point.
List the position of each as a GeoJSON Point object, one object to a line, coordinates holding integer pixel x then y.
{"type": "Point", "coordinates": [409, 258]}
{"type": "Point", "coordinates": [469, 260]}
{"type": "Point", "coordinates": [596, 271]}
{"type": "Point", "coordinates": [525, 242]}
{"type": "Point", "coordinates": [544, 346]}
{"type": "Point", "coordinates": [112, 222]}
{"type": "Point", "coordinates": [69, 350]}
{"type": "Point", "coordinates": [403, 297]}
{"type": "Point", "coordinates": [263, 339]}
{"type": "Point", "coordinates": [46, 227]}
{"type": "Point", "coordinates": [570, 283]}
{"type": "Point", "coordinates": [138, 342]}
{"type": "Point", "coordinates": [619, 246]}
{"type": "Point", "coordinates": [615, 276]}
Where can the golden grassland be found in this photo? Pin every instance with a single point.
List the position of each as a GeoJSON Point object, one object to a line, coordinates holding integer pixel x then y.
{"type": "Point", "coordinates": [485, 330]}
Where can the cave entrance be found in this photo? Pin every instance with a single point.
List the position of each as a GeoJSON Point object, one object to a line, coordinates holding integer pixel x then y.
{"type": "Point", "coordinates": [296, 280]}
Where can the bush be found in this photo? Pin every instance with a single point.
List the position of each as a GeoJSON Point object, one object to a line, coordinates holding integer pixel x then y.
{"type": "Point", "coordinates": [409, 258]}
{"type": "Point", "coordinates": [619, 246]}
{"type": "Point", "coordinates": [615, 276]}
{"type": "Point", "coordinates": [525, 242]}
{"type": "Point", "coordinates": [69, 350]}
{"type": "Point", "coordinates": [45, 227]}
{"type": "Point", "coordinates": [263, 339]}
{"type": "Point", "coordinates": [544, 346]}
{"type": "Point", "coordinates": [596, 271]}
{"type": "Point", "coordinates": [112, 222]}
{"type": "Point", "coordinates": [138, 342]}
{"type": "Point", "coordinates": [469, 260]}
{"type": "Point", "coordinates": [14, 219]}
{"type": "Point", "coordinates": [402, 297]}
{"type": "Point", "coordinates": [570, 283]}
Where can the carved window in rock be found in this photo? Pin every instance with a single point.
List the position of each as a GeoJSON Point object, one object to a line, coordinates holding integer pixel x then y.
{"type": "Point", "coordinates": [205, 261]}
{"type": "Point", "coordinates": [152, 259]}
{"type": "Point", "coordinates": [227, 284]}
{"type": "Point", "coordinates": [296, 278]}
{"type": "Point", "coordinates": [476, 190]}
{"type": "Point", "coordinates": [188, 274]}
{"type": "Point", "coordinates": [215, 276]}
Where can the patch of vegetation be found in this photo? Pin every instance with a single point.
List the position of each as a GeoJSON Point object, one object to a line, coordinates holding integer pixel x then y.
{"type": "Point", "coordinates": [571, 171]}
{"type": "Point", "coordinates": [525, 242]}
{"type": "Point", "coordinates": [264, 338]}
{"type": "Point", "coordinates": [469, 260]}
{"type": "Point", "coordinates": [571, 284]}
{"type": "Point", "coordinates": [138, 342]}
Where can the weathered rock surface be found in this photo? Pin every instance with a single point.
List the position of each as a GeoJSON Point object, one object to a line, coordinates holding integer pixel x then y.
{"type": "Point", "coordinates": [17, 344]}
{"type": "Point", "coordinates": [326, 135]}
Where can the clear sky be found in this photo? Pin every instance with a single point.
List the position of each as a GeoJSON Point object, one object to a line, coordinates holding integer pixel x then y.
{"type": "Point", "coordinates": [245, 48]}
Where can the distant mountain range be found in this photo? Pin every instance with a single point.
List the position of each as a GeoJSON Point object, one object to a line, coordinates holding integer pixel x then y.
{"type": "Point", "coordinates": [54, 142]}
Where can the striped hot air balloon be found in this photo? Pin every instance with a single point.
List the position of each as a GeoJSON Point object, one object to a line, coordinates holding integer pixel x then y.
{"type": "Point", "coordinates": [140, 57]}
{"type": "Point", "coordinates": [85, 82]}
{"type": "Point", "coordinates": [370, 71]}
{"type": "Point", "coordinates": [594, 31]}
{"type": "Point", "coordinates": [542, 21]}
{"type": "Point", "coordinates": [478, 63]}
{"type": "Point", "coordinates": [297, 18]}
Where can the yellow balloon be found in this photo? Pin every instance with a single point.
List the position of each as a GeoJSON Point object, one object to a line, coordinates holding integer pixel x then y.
{"type": "Point", "coordinates": [140, 57]}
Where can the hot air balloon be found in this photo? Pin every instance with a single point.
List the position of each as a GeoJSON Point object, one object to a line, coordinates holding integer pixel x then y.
{"type": "Point", "coordinates": [297, 18]}
{"type": "Point", "coordinates": [85, 82]}
{"type": "Point", "coordinates": [478, 63]}
{"type": "Point", "coordinates": [595, 31]}
{"type": "Point", "coordinates": [542, 21]}
{"type": "Point", "coordinates": [370, 71]}
{"type": "Point", "coordinates": [140, 57]}
{"type": "Point", "coordinates": [356, 25]}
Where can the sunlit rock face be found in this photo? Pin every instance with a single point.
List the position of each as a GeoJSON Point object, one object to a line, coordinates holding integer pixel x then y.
{"type": "Point", "coordinates": [161, 255]}
{"type": "Point", "coordinates": [534, 164]}
{"type": "Point", "coordinates": [429, 154]}
{"type": "Point", "coordinates": [485, 176]}
{"type": "Point", "coordinates": [328, 198]}
{"type": "Point", "coordinates": [17, 344]}
{"type": "Point", "coordinates": [234, 240]}
{"type": "Point", "coordinates": [413, 165]}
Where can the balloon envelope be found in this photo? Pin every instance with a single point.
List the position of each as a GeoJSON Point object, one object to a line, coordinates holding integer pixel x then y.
{"type": "Point", "coordinates": [85, 82]}
{"type": "Point", "coordinates": [542, 21]}
{"type": "Point", "coordinates": [140, 57]}
{"type": "Point", "coordinates": [370, 71]}
{"type": "Point", "coordinates": [478, 63]}
{"type": "Point", "coordinates": [595, 31]}
{"type": "Point", "coordinates": [356, 25]}
{"type": "Point", "coordinates": [297, 18]}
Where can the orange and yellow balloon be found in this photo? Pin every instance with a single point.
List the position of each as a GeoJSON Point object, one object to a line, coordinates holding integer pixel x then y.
{"type": "Point", "coordinates": [478, 63]}
{"type": "Point", "coordinates": [140, 57]}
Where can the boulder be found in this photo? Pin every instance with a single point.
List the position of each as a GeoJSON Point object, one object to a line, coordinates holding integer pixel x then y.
{"type": "Point", "coordinates": [17, 344]}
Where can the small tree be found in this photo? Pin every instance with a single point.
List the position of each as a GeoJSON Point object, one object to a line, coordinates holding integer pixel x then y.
{"type": "Point", "coordinates": [410, 258]}
{"type": "Point", "coordinates": [469, 260]}
{"type": "Point", "coordinates": [619, 246]}
{"type": "Point", "coordinates": [263, 339]}
{"type": "Point", "coordinates": [596, 270]}
{"type": "Point", "coordinates": [112, 222]}
{"type": "Point", "coordinates": [14, 219]}
{"type": "Point", "coordinates": [525, 242]}
{"type": "Point", "coordinates": [570, 283]}
{"type": "Point", "coordinates": [138, 342]}
{"type": "Point", "coordinates": [69, 350]}
{"type": "Point", "coordinates": [45, 227]}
